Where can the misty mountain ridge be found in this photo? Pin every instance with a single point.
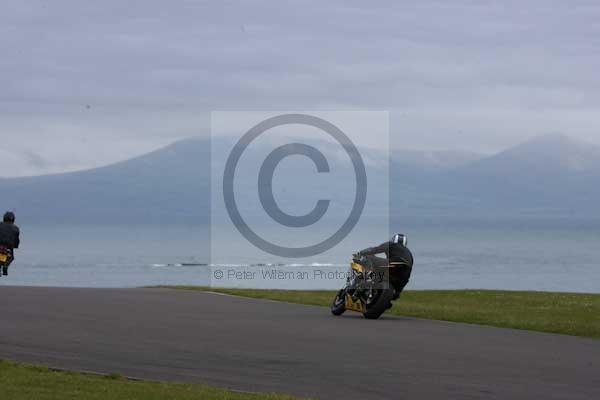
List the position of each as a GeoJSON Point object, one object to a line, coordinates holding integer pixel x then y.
{"type": "Point", "coordinates": [549, 152]}
{"type": "Point", "coordinates": [547, 176]}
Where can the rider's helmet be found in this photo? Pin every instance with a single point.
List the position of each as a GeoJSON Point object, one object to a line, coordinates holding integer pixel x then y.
{"type": "Point", "coordinates": [400, 238]}
{"type": "Point", "coordinates": [9, 216]}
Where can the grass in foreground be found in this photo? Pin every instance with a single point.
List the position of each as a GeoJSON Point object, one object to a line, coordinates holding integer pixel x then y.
{"type": "Point", "coordinates": [565, 313]}
{"type": "Point", "coordinates": [28, 382]}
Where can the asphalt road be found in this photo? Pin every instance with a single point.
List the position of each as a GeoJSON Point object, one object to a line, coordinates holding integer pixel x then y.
{"type": "Point", "coordinates": [258, 345]}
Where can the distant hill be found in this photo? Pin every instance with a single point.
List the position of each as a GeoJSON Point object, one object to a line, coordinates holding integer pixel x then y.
{"type": "Point", "coordinates": [170, 184]}
{"type": "Point", "coordinates": [552, 172]}
{"type": "Point", "coordinates": [550, 175]}
{"type": "Point", "coordinates": [433, 160]}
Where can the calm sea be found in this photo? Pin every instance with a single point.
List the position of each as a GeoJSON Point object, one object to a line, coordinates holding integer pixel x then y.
{"type": "Point", "coordinates": [555, 255]}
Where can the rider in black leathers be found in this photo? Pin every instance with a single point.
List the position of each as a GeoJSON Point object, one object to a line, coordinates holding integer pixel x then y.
{"type": "Point", "coordinates": [398, 256]}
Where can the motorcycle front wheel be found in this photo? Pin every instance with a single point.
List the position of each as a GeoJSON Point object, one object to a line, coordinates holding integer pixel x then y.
{"type": "Point", "coordinates": [338, 307]}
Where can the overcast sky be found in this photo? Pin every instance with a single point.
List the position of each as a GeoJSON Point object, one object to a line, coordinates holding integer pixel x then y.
{"type": "Point", "coordinates": [87, 83]}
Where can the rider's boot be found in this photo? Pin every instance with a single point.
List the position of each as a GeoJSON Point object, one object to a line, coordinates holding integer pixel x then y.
{"type": "Point", "coordinates": [395, 297]}
{"type": "Point", "coordinates": [5, 270]}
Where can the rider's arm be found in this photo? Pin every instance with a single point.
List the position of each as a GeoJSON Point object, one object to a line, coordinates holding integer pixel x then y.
{"type": "Point", "coordinates": [17, 238]}
{"type": "Point", "coordinates": [371, 251]}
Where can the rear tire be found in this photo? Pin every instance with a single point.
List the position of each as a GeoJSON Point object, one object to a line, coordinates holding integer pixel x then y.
{"type": "Point", "coordinates": [338, 306]}
{"type": "Point", "coordinates": [380, 305]}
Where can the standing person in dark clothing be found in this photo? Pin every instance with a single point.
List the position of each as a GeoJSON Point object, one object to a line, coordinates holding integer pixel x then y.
{"type": "Point", "coordinates": [398, 256]}
{"type": "Point", "coordinates": [9, 239]}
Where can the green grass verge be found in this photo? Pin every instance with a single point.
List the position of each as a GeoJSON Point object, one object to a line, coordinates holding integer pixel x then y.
{"type": "Point", "coordinates": [566, 313]}
{"type": "Point", "coordinates": [28, 382]}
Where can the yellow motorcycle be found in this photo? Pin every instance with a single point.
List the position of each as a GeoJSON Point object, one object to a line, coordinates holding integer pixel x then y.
{"type": "Point", "coordinates": [367, 291]}
{"type": "Point", "coordinates": [5, 258]}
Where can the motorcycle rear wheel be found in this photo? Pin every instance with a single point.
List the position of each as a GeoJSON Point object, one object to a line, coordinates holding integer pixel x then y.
{"type": "Point", "coordinates": [376, 308]}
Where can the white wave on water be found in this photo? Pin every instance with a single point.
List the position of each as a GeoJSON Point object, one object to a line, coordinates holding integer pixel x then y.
{"type": "Point", "coordinates": [254, 265]}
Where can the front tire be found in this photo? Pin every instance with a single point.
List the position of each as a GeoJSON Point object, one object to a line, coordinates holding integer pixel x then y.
{"type": "Point", "coordinates": [338, 307]}
{"type": "Point", "coordinates": [379, 305]}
